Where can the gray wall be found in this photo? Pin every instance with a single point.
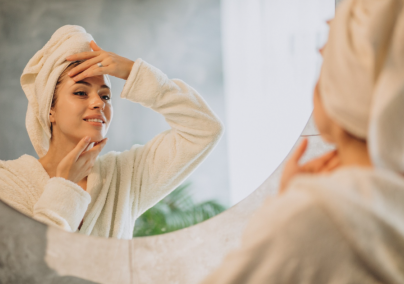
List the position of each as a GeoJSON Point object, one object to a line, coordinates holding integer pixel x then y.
{"type": "Point", "coordinates": [180, 37]}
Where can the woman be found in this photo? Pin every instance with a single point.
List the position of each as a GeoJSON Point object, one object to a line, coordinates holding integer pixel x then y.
{"type": "Point", "coordinates": [68, 116]}
{"type": "Point", "coordinates": [340, 218]}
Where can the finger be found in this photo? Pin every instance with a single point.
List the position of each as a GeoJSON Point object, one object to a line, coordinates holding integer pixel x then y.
{"type": "Point", "coordinates": [90, 72]}
{"type": "Point", "coordinates": [80, 147]}
{"type": "Point", "coordinates": [333, 160]}
{"type": "Point", "coordinates": [91, 145]}
{"type": "Point", "coordinates": [333, 164]}
{"type": "Point", "coordinates": [83, 55]}
{"type": "Point", "coordinates": [95, 46]}
{"type": "Point", "coordinates": [296, 156]}
{"type": "Point", "coordinates": [85, 65]}
{"type": "Point", "coordinates": [102, 141]}
{"type": "Point", "coordinates": [91, 155]}
{"type": "Point", "coordinates": [96, 148]}
{"type": "Point", "coordinates": [99, 145]}
{"type": "Point", "coordinates": [317, 163]}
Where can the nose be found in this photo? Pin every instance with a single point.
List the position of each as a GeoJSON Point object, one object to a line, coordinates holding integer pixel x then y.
{"type": "Point", "coordinates": [97, 103]}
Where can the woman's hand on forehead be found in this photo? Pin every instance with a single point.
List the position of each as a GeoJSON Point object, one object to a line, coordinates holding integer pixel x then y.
{"type": "Point", "coordinates": [111, 64]}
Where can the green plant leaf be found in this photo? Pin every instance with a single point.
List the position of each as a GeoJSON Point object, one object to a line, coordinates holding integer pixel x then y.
{"type": "Point", "coordinates": [176, 211]}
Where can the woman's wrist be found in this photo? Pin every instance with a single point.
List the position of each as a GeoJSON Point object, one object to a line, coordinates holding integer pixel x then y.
{"type": "Point", "coordinates": [128, 68]}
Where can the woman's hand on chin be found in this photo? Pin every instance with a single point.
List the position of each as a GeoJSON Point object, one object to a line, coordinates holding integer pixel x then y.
{"type": "Point", "coordinates": [325, 163]}
{"type": "Point", "coordinates": [112, 64]}
{"type": "Point", "coordinates": [78, 163]}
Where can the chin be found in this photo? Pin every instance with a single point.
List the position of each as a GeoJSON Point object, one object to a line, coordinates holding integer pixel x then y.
{"type": "Point", "coordinates": [96, 138]}
{"type": "Point", "coordinates": [95, 135]}
{"type": "Point", "coordinates": [326, 138]}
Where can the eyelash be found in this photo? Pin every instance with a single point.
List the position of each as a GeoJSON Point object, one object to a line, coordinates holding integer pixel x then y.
{"type": "Point", "coordinates": [77, 94]}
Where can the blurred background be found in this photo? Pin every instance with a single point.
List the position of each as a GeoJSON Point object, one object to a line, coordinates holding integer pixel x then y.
{"type": "Point", "coordinates": [255, 62]}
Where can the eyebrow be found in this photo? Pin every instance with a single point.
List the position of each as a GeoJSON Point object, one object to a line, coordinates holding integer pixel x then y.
{"type": "Point", "coordinates": [88, 84]}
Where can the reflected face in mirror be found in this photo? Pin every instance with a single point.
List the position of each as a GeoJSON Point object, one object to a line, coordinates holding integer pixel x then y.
{"type": "Point", "coordinates": [81, 109]}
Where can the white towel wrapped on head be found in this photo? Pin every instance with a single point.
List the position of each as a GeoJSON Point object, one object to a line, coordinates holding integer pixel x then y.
{"type": "Point", "coordinates": [362, 78]}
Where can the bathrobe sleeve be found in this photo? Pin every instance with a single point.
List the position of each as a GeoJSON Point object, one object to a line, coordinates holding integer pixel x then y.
{"type": "Point", "coordinates": [156, 168]}
{"type": "Point", "coordinates": [62, 204]}
{"type": "Point", "coordinates": [291, 239]}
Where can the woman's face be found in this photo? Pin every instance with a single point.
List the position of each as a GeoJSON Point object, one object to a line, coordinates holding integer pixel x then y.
{"type": "Point", "coordinates": [82, 109]}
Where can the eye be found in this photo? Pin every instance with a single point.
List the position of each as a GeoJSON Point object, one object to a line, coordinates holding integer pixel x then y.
{"type": "Point", "coordinates": [80, 94]}
{"type": "Point", "coordinates": [107, 98]}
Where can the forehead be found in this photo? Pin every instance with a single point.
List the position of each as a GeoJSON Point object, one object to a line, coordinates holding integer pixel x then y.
{"type": "Point", "coordinates": [99, 81]}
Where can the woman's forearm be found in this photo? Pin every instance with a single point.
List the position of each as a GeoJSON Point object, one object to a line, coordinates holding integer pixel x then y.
{"type": "Point", "coordinates": [157, 167]}
{"type": "Point", "coordinates": [183, 108]}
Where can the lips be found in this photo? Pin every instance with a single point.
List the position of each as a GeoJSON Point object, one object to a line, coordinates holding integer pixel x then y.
{"type": "Point", "coordinates": [98, 119]}
{"type": "Point", "coordinates": [94, 120]}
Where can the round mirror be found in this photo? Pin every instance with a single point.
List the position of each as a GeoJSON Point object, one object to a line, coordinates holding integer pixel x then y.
{"type": "Point", "coordinates": [255, 64]}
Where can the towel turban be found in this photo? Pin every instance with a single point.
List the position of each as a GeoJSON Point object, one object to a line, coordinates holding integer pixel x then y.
{"type": "Point", "coordinates": [362, 78]}
{"type": "Point", "coordinates": [39, 78]}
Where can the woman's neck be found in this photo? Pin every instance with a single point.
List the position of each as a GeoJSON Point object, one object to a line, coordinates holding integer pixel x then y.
{"type": "Point", "coordinates": [353, 152]}
{"type": "Point", "coordinates": [58, 149]}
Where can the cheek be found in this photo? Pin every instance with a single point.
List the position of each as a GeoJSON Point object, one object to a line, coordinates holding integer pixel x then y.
{"type": "Point", "coordinates": [109, 112]}
{"type": "Point", "coordinates": [316, 114]}
{"type": "Point", "coordinates": [320, 117]}
{"type": "Point", "coordinates": [322, 121]}
{"type": "Point", "coordinates": [69, 112]}
{"type": "Point", "coordinates": [316, 110]}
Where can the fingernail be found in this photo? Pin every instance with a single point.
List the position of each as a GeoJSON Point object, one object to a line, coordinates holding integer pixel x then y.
{"type": "Point", "coordinates": [88, 139]}
{"type": "Point", "coordinates": [70, 72]}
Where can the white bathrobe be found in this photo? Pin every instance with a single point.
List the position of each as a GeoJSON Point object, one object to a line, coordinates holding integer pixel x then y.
{"type": "Point", "coordinates": [121, 186]}
{"type": "Point", "coordinates": [345, 227]}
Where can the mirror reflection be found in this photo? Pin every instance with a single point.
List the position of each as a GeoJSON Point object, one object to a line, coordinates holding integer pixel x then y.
{"type": "Point", "coordinates": [180, 100]}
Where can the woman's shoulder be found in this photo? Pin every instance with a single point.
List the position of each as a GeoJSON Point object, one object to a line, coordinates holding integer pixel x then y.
{"type": "Point", "coordinates": [350, 181]}
{"type": "Point", "coordinates": [26, 166]}
{"type": "Point", "coordinates": [370, 195]}
{"type": "Point", "coordinates": [22, 161]}
{"type": "Point", "coordinates": [21, 182]}
{"type": "Point", "coordinates": [365, 205]}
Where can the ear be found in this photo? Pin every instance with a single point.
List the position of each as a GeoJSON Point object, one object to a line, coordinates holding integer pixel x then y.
{"type": "Point", "coordinates": [52, 116]}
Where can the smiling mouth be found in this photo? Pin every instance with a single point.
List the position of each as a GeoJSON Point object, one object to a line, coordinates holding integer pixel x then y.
{"type": "Point", "coordinates": [94, 120]}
